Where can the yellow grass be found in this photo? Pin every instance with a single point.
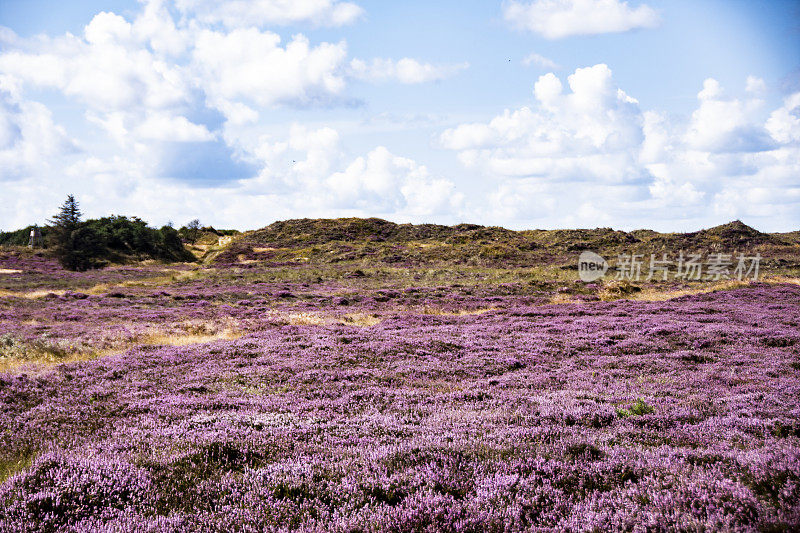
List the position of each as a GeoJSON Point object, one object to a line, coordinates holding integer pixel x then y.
{"type": "Point", "coordinates": [14, 465]}
{"type": "Point", "coordinates": [304, 319]}
{"type": "Point", "coordinates": [30, 295]}
{"type": "Point", "coordinates": [161, 339]}
{"type": "Point", "coordinates": [781, 279]}
{"type": "Point", "coordinates": [43, 361]}
{"type": "Point", "coordinates": [360, 319]}
{"type": "Point", "coordinates": [9, 271]}
{"type": "Point", "coordinates": [41, 293]}
{"type": "Point", "coordinates": [313, 319]}
{"type": "Point", "coordinates": [562, 299]}
{"type": "Point", "coordinates": [428, 310]}
{"type": "Point", "coordinates": [176, 276]}
{"type": "Point", "coordinates": [655, 295]}
{"type": "Point", "coordinates": [102, 288]}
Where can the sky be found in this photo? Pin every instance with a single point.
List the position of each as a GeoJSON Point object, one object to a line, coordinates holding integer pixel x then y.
{"type": "Point", "coordinates": [671, 115]}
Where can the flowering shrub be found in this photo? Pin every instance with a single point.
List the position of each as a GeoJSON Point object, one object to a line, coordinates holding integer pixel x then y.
{"type": "Point", "coordinates": [499, 412]}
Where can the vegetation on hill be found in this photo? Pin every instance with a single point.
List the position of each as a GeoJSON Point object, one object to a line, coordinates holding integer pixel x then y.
{"type": "Point", "coordinates": [81, 245]}
{"type": "Point", "coordinates": [123, 238]}
{"type": "Point", "coordinates": [371, 242]}
{"type": "Point", "coordinates": [21, 237]}
{"type": "Point", "coordinates": [203, 235]}
{"type": "Point", "coordinates": [374, 241]}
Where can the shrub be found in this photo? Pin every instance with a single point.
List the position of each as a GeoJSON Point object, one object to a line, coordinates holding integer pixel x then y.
{"type": "Point", "coordinates": [94, 243]}
{"type": "Point", "coordinates": [639, 408]}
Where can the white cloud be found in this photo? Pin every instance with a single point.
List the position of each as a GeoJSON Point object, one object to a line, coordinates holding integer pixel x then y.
{"type": "Point", "coordinates": [164, 97]}
{"type": "Point", "coordinates": [406, 70]}
{"type": "Point", "coordinates": [755, 85]}
{"type": "Point", "coordinates": [251, 66]}
{"type": "Point", "coordinates": [310, 168]}
{"type": "Point", "coordinates": [784, 123]}
{"type": "Point", "coordinates": [155, 26]}
{"type": "Point", "coordinates": [540, 61]}
{"type": "Point", "coordinates": [163, 127]}
{"type": "Point", "coordinates": [246, 13]}
{"type": "Point", "coordinates": [106, 70]}
{"type": "Point", "coordinates": [119, 66]}
{"type": "Point", "coordinates": [556, 19]}
{"type": "Point", "coordinates": [173, 100]}
{"type": "Point", "coordinates": [729, 157]}
{"type": "Point", "coordinates": [385, 183]}
{"type": "Point", "coordinates": [596, 117]}
{"type": "Point", "coordinates": [522, 199]}
{"type": "Point", "coordinates": [725, 125]}
{"type": "Point", "coordinates": [30, 141]}
{"type": "Point", "coordinates": [153, 64]}
{"type": "Point", "coordinates": [306, 172]}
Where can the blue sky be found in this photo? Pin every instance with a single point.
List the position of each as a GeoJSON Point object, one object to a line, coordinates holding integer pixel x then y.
{"type": "Point", "coordinates": [525, 113]}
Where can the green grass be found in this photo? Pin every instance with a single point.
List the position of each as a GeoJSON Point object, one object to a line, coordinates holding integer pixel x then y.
{"type": "Point", "coordinates": [639, 408]}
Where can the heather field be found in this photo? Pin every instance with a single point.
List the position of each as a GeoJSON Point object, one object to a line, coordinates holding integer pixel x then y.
{"type": "Point", "coordinates": [258, 393]}
{"type": "Point", "coordinates": [363, 266]}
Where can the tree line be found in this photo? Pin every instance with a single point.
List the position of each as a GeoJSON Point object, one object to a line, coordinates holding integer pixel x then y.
{"type": "Point", "coordinates": [85, 244]}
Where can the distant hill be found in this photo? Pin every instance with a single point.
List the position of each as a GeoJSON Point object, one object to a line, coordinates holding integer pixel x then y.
{"type": "Point", "coordinates": [305, 231]}
{"type": "Point", "coordinates": [374, 241]}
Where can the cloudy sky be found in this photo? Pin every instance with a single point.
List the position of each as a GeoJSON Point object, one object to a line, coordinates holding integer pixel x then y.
{"type": "Point", "coordinates": [667, 114]}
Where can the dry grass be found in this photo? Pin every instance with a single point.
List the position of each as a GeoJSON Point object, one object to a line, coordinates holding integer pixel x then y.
{"type": "Point", "coordinates": [776, 280]}
{"type": "Point", "coordinates": [30, 295]}
{"type": "Point", "coordinates": [562, 299]}
{"type": "Point", "coordinates": [176, 277]}
{"type": "Point", "coordinates": [655, 295]}
{"type": "Point", "coordinates": [361, 319]}
{"type": "Point", "coordinates": [162, 339]}
{"type": "Point", "coordinates": [305, 319]}
{"type": "Point", "coordinates": [429, 310]}
{"type": "Point", "coordinates": [41, 360]}
{"type": "Point", "coordinates": [313, 319]}
{"type": "Point", "coordinates": [9, 271]}
{"type": "Point", "coordinates": [11, 466]}
{"type": "Point", "coordinates": [41, 293]}
{"type": "Point", "coordinates": [298, 319]}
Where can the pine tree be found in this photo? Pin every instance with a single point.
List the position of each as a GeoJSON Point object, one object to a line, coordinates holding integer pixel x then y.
{"type": "Point", "coordinates": [64, 225]}
{"type": "Point", "coordinates": [68, 218]}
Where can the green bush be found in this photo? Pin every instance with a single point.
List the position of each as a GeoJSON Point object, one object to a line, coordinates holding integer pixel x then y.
{"type": "Point", "coordinates": [94, 243]}
{"type": "Point", "coordinates": [639, 408]}
{"type": "Point", "coordinates": [21, 237]}
{"type": "Point", "coordinates": [83, 250]}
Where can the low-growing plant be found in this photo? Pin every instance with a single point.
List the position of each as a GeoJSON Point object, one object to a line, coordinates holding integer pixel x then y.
{"type": "Point", "coordinates": [638, 408]}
